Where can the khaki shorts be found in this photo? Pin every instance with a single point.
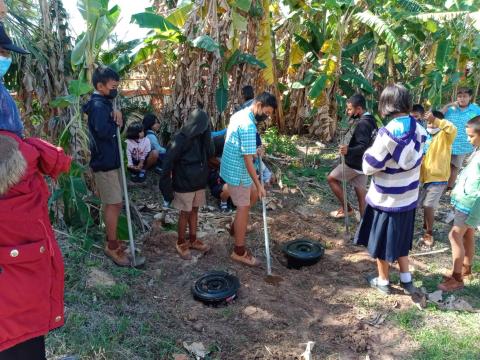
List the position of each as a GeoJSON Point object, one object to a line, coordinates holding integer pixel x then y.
{"type": "Point", "coordinates": [430, 195]}
{"type": "Point", "coordinates": [356, 179]}
{"type": "Point", "coordinates": [188, 201]}
{"type": "Point", "coordinates": [109, 186]}
{"type": "Point", "coordinates": [240, 194]}
{"type": "Point", "coordinates": [460, 218]}
{"type": "Point", "coordinates": [457, 160]}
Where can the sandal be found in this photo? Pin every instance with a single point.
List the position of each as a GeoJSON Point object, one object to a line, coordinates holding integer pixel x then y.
{"type": "Point", "coordinates": [183, 250]}
{"type": "Point", "coordinates": [199, 245]}
{"type": "Point", "coordinates": [247, 258]}
{"type": "Point", "coordinates": [428, 240]}
{"type": "Point", "coordinates": [339, 214]}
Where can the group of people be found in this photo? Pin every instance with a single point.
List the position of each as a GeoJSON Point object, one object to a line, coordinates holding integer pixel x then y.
{"type": "Point", "coordinates": [403, 158]}
{"type": "Point", "coordinates": [413, 160]}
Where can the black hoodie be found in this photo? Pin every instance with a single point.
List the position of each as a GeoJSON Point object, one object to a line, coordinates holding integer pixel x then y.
{"type": "Point", "coordinates": [361, 140]}
{"type": "Point", "coordinates": [185, 167]}
{"type": "Point", "coordinates": [103, 134]}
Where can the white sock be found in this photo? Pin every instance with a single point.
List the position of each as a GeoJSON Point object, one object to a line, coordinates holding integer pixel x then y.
{"type": "Point", "coordinates": [405, 277]}
{"type": "Point", "coordinates": [382, 282]}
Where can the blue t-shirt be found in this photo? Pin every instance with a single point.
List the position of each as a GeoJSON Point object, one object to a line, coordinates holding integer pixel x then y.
{"type": "Point", "coordinates": [154, 142]}
{"type": "Point", "coordinates": [459, 117]}
{"type": "Point", "coordinates": [240, 140]}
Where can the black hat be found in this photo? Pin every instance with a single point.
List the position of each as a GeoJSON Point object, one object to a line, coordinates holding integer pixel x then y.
{"type": "Point", "coordinates": [7, 44]}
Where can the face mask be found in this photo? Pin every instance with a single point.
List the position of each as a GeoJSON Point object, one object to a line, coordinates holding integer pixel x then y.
{"type": "Point", "coordinates": [5, 63]}
{"type": "Point", "coordinates": [112, 94]}
{"type": "Point", "coordinates": [260, 118]}
{"type": "Point", "coordinates": [433, 131]}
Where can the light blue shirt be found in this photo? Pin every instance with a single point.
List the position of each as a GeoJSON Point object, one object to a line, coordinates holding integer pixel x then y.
{"type": "Point", "coordinates": [239, 141]}
{"type": "Point", "coordinates": [154, 142]}
{"type": "Point", "coordinates": [399, 126]}
{"type": "Point", "coordinates": [459, 117]}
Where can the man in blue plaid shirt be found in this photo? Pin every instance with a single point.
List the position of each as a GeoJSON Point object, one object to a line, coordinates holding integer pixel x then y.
{"type": "Point", "coordinates": [238, 170]}
{"type": "Point", "coordinates": [459, 113]}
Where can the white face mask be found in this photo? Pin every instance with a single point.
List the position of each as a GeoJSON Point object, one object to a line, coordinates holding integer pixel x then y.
{"type": "Point", "coordinates": [433, 131]}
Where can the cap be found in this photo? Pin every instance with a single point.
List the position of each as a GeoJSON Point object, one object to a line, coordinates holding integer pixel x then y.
{"type": "Point", "coordinates": [7, 44]}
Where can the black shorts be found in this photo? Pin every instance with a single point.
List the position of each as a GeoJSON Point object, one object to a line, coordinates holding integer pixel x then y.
{"type": "Point", "coordinates": [33, 349]}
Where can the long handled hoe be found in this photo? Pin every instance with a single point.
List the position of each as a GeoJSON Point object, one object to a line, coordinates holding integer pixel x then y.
{"type": "Point", "coordinates": [271, 279]}
{"type": "Point", "coordinates": [125, 194]}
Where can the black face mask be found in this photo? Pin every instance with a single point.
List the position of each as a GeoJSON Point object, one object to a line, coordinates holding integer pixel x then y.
{"type": "Point", "coordinates": [355, 116]}
{"type": "Point", "coordinates": [112, 94]}
{"type": "Point", "coordinates": [260, 118]}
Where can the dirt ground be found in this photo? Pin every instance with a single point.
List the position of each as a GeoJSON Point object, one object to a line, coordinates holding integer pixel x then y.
{"type": "Point", "coordinates": [268, 321]}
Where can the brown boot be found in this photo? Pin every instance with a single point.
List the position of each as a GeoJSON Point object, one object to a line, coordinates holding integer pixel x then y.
{"type": "Point", "coordinates": [117, 255]}
{"type": "Point", "coordinates": [453, 283]}
{"type": "Point", "coordinates": [183, 250]}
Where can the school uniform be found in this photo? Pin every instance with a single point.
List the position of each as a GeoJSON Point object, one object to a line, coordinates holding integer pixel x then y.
{"type": "Point", "coordinates": [394, 162]}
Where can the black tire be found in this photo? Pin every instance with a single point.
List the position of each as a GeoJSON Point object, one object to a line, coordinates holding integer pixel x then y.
{"type": "Point", "coordinates": [216, 287]}
{"type": "Point", "coordinates": [303, 252]}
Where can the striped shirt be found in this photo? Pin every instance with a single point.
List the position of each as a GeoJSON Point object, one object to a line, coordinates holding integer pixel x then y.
{"type": "Point", "coordinates": [394, 163]}
{"type": "Point", "coordinates": [241, 139]}
{"type": "Point", "coordinates": [459, 117]}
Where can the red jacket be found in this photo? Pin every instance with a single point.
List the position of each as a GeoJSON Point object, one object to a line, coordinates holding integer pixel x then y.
{"type": "Point", "coordinates": [31, 264]}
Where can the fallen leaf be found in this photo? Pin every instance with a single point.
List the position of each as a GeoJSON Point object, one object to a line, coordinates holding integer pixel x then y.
{"type": "Point", "coordinates": [436, 296]}
{"type": "Point", "coordinates": [197, 349]}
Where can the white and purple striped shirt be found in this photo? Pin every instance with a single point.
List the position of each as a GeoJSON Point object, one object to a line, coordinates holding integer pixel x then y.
{"type": "Point", "coordinates": [394, 163]}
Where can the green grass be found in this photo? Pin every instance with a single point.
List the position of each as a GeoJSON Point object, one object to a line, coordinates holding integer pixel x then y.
{"type": "Point", "coordinates": [280, 144]}
{"type": "Point", "coordinates": [108, 322]}
{"type": "Point", "coordinates": [440, 334]}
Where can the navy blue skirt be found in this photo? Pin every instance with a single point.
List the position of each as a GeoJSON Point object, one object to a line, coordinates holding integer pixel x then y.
{"type": "Point", "coordinates": [387, 235]}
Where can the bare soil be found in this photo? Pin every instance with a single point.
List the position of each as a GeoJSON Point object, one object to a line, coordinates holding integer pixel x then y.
{"type": "Point", "coordinates": [316, 303]}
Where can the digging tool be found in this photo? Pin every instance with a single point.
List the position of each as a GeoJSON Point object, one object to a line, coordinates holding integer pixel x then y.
{"type": "Point", "coordinates": [344, 190]}
{"type": "Point", "coordinates": [271, 279]}
{"type": "Point", "coordinates": [125, 194]}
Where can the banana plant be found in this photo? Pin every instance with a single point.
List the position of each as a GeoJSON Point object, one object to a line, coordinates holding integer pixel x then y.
{"type": "Point", "coordinates": [100, 22]}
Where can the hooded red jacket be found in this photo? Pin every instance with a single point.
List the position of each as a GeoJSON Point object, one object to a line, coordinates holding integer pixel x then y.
{"type": "Point", "coordinates": [31, 264]}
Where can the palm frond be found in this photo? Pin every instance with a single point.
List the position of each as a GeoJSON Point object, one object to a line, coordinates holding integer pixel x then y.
{"type": "Point", "coordinates": [381, 28]}
{"type": "Point", "coordinates": [439, 16]}
{"type": "Point", "coordinates": [411, 6]}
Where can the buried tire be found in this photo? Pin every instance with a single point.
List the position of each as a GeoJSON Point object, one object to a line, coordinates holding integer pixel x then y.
{"type": "Point", "coordinates": [216, 287]}
{"type": "Point", "coordinates": [302, 252]}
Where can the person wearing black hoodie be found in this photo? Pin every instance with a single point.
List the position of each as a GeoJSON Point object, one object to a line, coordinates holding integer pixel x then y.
{"type": "Point", "coordinates": [362, 138]}
{"type": "Point", "coordinates": [184, 178]}
{"type": "Point", "coordinates": [105, 158]}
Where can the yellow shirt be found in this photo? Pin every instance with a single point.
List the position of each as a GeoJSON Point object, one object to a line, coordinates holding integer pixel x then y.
{"type": "Point", "coordinates": [436, 162]}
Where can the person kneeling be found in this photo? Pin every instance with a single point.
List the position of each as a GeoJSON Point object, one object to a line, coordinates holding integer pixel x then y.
{"type": "Point", "coordinates": [140, 155]}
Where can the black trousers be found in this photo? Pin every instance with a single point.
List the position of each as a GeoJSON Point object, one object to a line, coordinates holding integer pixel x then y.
{"type": "Point", "coordinates": [33, 349]}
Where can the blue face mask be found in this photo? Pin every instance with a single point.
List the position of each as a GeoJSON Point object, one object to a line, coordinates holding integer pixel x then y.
{"type": "Point", "coordinates": [5, 63]}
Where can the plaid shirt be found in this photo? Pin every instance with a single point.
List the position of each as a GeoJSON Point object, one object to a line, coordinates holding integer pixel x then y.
{"type": "Point", "coordinates": [239, 141]}
{"type": "Point", "coordinates": [459, 118]}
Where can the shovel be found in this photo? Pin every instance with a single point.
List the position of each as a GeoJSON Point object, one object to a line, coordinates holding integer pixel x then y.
{"type": "Point", "coordinates": [344, 190]}
{"type": "Point", "coordinates": [271, 279]}
{"type": "Point", "coordinates": [141, 260]}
